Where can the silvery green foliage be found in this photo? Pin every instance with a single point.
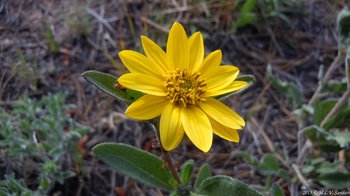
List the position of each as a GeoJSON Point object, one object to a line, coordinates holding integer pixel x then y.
{"type": "Point", "coordinates": [35, 136]}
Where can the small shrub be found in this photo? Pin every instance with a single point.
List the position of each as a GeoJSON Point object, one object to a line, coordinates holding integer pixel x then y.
{"type": "Point", "coordinates": [36, 139]}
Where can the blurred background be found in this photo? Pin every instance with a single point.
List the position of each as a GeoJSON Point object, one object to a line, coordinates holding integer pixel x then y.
{"type": "Point", "coordinates": [51, 117]}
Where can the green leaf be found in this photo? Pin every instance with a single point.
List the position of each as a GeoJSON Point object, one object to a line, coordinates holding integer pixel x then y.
{"type": "Point", "coordinates": [247, 158]}
{"type": "Point", "coordinates": [335, 86]}
{"type": "Point", "coordinates": [173, 193]}
{"type": "Point", "coordinates": [49, 34]}
{"type": "Point", "coordinates": [335, 180]}
{"type": "Point", "coordinates": [307, 169]}
{"type": "Point", "coordinates": [327, 167]}
{"type": "Point", "coordinates": [195, 194]}
{"type": "Point", "coordinates": [318, 160]}
{"type": "Point", "coordinates": [44, 183]}
{"type": "Point", "coordinates": [321, 110]}
{"type": "Point", "coordinates": [135, 163]}
{"type": "Point", "coordinates": [29, 193]}
{"type": "Point", "coordinates": [245, 19]}
{"type": "Point", "coordinates": [277, 190]}
{"type": "Point", "coordinates": [203, 173]}
{"type": "Point", "coordinates": [343, 24]}
{"type": "Point", "coordinates": [248, 6]}
{"type": "Point", "coordinates": [342, 138]}
{"type": "Point", "coordinates": [269, 164]}
{"type": "Point", "coordinates": [284, 174]}
{"type": "Point", "coordinates": [15, 185]}
{"type": "Point", "coordinates": [304, 110]}
{"type": "Point", "coordinates": [321, 139]}
{"type": "Point", "coordinates": [186, 171]}
{"type": "Point", "coordinates": [107, 83]}
{"type": "Point", "coordinates": [225, 185]}
{"type": "Point", "coordinates": [3, 192]}
{"type": "Point", "coordinates": [281, 86]}
{"type": "Point", "coordinates": [246, 16]}
{"type": "Point", "coordinates": [246, 78]}
{"type": "Point", "coordinates": [339, 120]}
{"type": "Point", "coordinates": [60, 177]}
{"type": "Point", "coordinates": [291, 90]}
{"type": "Point", "coordinates": [250, 79]}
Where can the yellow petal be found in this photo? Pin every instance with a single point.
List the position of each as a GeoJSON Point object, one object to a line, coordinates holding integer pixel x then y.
{"type": "Point", "coordinates": [143, 83]}
{"type": "Point", "coordinates": [234, 86]}
{"type": "Point", "coordinates": [197, 127]}
{"type": "Point", "coordinates": [171, 131]}
{"type": "Point", "coordinates": [221, 77]}
{"type": "Point", "coordinates": [221, 68]}
{"type": "Point", "coordinates": [210, 62]}
{"type": "Point", "coordinates": [138, 63]}
{"type": "Point", "coordinates": [154, 52]}
{"type": "Point", "coordinates": [222, 114]}
{"type": "Point", "coordinates": [224, 132]}
{"type": "Point", "coordinates": [146, 107]}
{"type": "Point", "coordinates": [196, 47]}
{"type": "Point", "coordinates": [177, 47]}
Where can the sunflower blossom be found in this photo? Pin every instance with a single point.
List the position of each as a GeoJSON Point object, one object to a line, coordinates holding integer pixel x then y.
{"type": "Point", "coordinates": [180, 86]}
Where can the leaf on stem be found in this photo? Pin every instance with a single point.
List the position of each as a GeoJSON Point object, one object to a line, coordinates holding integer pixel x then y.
{"type": "Point", "coordinates": [277, 190]}
{"type": "Point", "coordinates": [203, 173]}
{"type": "Point", "coordinates": [343, 24]}
{"type": "Point", "coordinates": [335, 180]}
{"type": "Point", "coordinates": [109, 84]}
{"type": "Point", "coordinates": [225, 185]}
{"type": "Point", "coordinates": [292, 91]}
{"type": "Point", "coordinates": [186, 171]}
{"type": "Point", "coordinates": [269, 164]}
{"type": "Point", "coordinates": [321, 139]}
{"type": "Point", "coordinates": [135, 163]}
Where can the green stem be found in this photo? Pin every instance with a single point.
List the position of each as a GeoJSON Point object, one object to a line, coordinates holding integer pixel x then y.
{"type": "Point", "coordinates": [268, 182]}
{"type": "Point", "coordinates": [170, 165]}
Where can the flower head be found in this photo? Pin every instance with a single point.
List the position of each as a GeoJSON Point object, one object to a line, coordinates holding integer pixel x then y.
{"type": "Point", "coordinates": [180, 86]}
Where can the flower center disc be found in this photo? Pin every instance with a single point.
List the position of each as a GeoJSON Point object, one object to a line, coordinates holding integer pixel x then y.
{"type": "Point", "coordinates": [184, 88]}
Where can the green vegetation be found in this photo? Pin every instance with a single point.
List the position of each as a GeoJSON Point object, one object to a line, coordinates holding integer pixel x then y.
{"type": "Point", "coordinates": [38, 141]}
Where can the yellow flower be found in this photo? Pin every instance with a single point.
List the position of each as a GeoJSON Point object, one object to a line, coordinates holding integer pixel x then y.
{"type": "Point", "coordinates": [180, 86]}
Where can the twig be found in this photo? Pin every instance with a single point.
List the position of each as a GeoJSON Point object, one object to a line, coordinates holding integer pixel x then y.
{"type": "Point", "coordinates": [4, 82]}
{"type": "Point", "coordinates": [338, 106]}
{"type": "Point", "coordinates": [255, 137]}
{"type": "Point", "coordinates": [300, 176]}
{"type": "Point", "coordinates": [275, 42]}
{"type": "Point", "coordinates": [304, 150]}
{"type": "Point", "coordinates": [347, 68]}
{"type": "Point", "coordinates": [262, 132]}
{"type": "Point", "coordinates": [343, 100]}
{"type": "Point", "coordinates": [268, 142]}
{"type": "Point", "coordinates": [335, 64]}
{"type": "Point", "coordinates": [170, 165]}
{"type": "Point", "coordinates": [101, 19]}
{"type": "Point", "coordinates": [153, 24]}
